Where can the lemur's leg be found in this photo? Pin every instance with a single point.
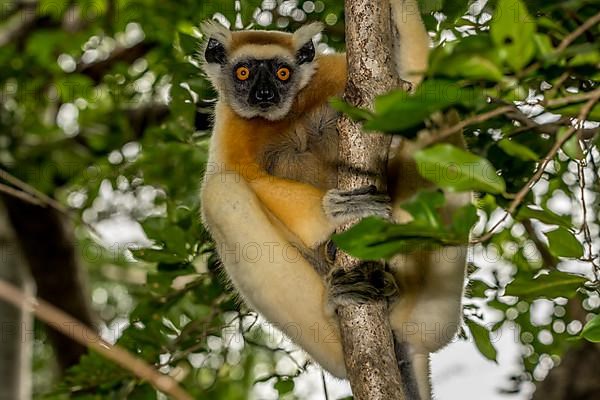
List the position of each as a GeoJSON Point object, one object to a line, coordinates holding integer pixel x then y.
{"type": "Point", "coordinates": [369, 280]}
{"type": "Point", "coordinates": [408, 364]}
{"type": "Point", "coordinates": [269, 273]}
{"type": "Point", "coordinates": [359, 285]}
{"type": "Point", "coordinates": [411, 48]}
{"type": "Point", "coordinates": [428, 314]}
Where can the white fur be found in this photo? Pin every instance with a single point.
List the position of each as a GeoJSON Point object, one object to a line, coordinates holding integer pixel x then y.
{"type": "Point", "coordinates": [216, 30]}
{"type": "Point", "coordinates": [262, 52]}
{"type": "Point", "coordinates": [279, 283]}
{"type": "Point", "coordinates": [306, 33]}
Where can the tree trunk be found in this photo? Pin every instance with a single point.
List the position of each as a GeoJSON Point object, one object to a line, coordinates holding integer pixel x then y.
{"type": "Point", "coordinates": [16, 324]}
{"type": "Point", "coordinates": [48, 246]}
{"type": "Point", "coordinates": [576, 377]}
{"type": "Point", "coordinates": [366, 334]}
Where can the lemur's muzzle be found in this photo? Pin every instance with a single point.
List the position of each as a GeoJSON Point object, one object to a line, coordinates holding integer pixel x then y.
{"type": "Point", "coordinates": [264, 92]}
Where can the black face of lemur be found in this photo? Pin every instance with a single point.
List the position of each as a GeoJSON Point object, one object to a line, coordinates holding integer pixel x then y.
{"type": "Point", "coordinates": [261, 87]}
{"type": "Point", "coordinates": [262, 82]}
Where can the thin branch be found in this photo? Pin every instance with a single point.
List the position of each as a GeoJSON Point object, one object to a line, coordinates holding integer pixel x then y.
{"type": "Point", "coordinates": [566, 42]}
{"type": "Point", "coordinates": [19, 194]}
{"type": "Point", "coordinates": [576, 98]}
{"type": "Point", "coordinates": [27, 188]}
{"type": "Point", "coordinates": [286, 352]}
{"type": "Point", "coordinates": [98, 69]}
{"type": "Point", "coordinates": [570, 38]}
{"type": "Point", "coordinates": [31, 195]}
{"type": "Point", "coordinates": [548, 260]}
{"type": "Point", "coordinates": [326, 395]}
{"type": "Point", "coordinates": [585, 228]}
{"type": "Point", "coordinates": [18, 25]}
{"type": "Point", "coordinates": [80, 333]}
{"type": "Point", "coordinates": [480, 118]}
{"type": "Point", "coordinates": [520, 196]}
{"type": "Point", "coordinates": [477, 119]}
{"type": "Point", "coordinates": [558, 84]}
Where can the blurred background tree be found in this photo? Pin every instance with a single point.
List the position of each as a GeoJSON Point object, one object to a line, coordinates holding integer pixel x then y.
{"type": "Point", "coordinates": [105, 117]}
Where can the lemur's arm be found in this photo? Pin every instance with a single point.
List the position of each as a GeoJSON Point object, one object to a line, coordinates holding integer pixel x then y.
{"type": "Point", "coordinates": [310, 213]}
{"type": "Point", "coordinates": [297, 205]}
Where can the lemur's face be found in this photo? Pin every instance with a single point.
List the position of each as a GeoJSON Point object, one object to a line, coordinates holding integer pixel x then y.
{"type": "Point", "coordinates": [262, 75]}
{"type": "Point", "coordinates": [262, 87]}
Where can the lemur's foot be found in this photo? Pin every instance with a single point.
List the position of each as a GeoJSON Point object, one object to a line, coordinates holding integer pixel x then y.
{"type": "Point", "coordinates": [366, 282]}
{"type": "Point", "coordinates": [342, 206]}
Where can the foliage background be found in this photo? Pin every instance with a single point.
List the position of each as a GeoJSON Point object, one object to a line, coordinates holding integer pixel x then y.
{"type": "Point", "coordinates": [103, 107]}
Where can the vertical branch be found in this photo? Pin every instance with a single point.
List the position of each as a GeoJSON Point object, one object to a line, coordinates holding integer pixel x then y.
{"type": "Point", "coordinates": [16, 324]}
{"type": "Point", "coordinates": [366, 334]}
{"type": "Point", "coordinates": [48, 246]}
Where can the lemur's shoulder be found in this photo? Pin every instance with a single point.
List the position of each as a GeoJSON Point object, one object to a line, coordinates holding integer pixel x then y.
{"type": "Point", "coordinates": [328, 80]}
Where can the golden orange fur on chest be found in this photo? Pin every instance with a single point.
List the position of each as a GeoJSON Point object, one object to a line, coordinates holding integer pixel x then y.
{"type": "Point", "coordinates": [302, 146]}
{"type": "Point", "coordinates": [301, 149]}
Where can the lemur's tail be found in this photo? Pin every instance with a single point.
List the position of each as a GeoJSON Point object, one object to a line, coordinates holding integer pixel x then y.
{"type": "Point", "coordinates": [414, 369]}
{"type": "Point", "coordinates": [412, 49]}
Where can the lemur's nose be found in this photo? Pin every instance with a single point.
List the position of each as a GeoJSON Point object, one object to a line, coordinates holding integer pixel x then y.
{"type": "Point", "coordinates": [264, 94]}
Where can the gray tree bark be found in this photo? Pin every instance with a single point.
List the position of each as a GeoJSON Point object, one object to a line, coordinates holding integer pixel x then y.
{"type": "Point", "coordinates": [16, 324]}
{"type": "Point", "coordinates": [366, 334]}
{"type": "Point", "coordinates": [47, 241]}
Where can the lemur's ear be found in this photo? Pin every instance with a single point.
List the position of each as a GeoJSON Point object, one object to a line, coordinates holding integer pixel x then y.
{"type": "Point", "coordinates": [215, 48]}
{"type": "Point", "coordinates": [215, 52]}
{"type": "Point", "coordinates": [306, 53]}
{"type": "Point", "coordinates": [303, 43]}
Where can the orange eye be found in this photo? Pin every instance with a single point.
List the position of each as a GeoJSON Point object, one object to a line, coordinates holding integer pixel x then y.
{"type": "Point", "coordinates": [283, 74]}
{"type": "Point", "coordinates": [242, 73]}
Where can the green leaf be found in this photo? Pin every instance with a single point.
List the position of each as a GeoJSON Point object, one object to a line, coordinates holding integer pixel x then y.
{"type": "Point", "coordinates": [142, 392]}
{"type": "Point", "coordinates": [154, 255]}
{"type": "Point", "coordinates": [284, 386]}
{"type": "Point", "coordinates": [477, 288]}
{"type": "Point", "coordinates": [555, 284]}
{"type": "Point", "coordinates": [589, 58]}
{"type": "Point", "coordinates": [355, 113]}
{"type": "Point", "coordinates": [188, 44]}
{"type": "Point", "coordinates": [463, 220]}
{"type": "Point", "coordinates": [374, 238]}
{"type": "Point", "coordinates": [454, 9]}
{"type": "Point", "coordinates": [563, 243]}
{"type": "Point", "coordinates": [458, 170]}
{"type": "Point", "coordinates": [572, 147]}
{"type": "Point", "coordinates": [53, 8]}
{"type": "Point", "coordinates": [472, 67]}
{"type": "Point", "coordinates": [423, 208]}
{"type": "Point", "coordinates": [543, 44]}
{"type": "Point", "coordinates": [513, 31]}
{"type": "Point", "coordinates": [487, 203]}
{"type": "Point", "coordinates": [591, 330]}
{"type": "Point", "coordinates": [515, 149]}
{"type": "Point", "coordinates": [399, 110]}
{"type": "Point", "coordinates": [175, 240]}
{"type": "Point", "coordinates": [544, 215]}
{"type": "Point", "coordinates": [482, 340]}
{"type": "Point", "coordinates": [473, 57]}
